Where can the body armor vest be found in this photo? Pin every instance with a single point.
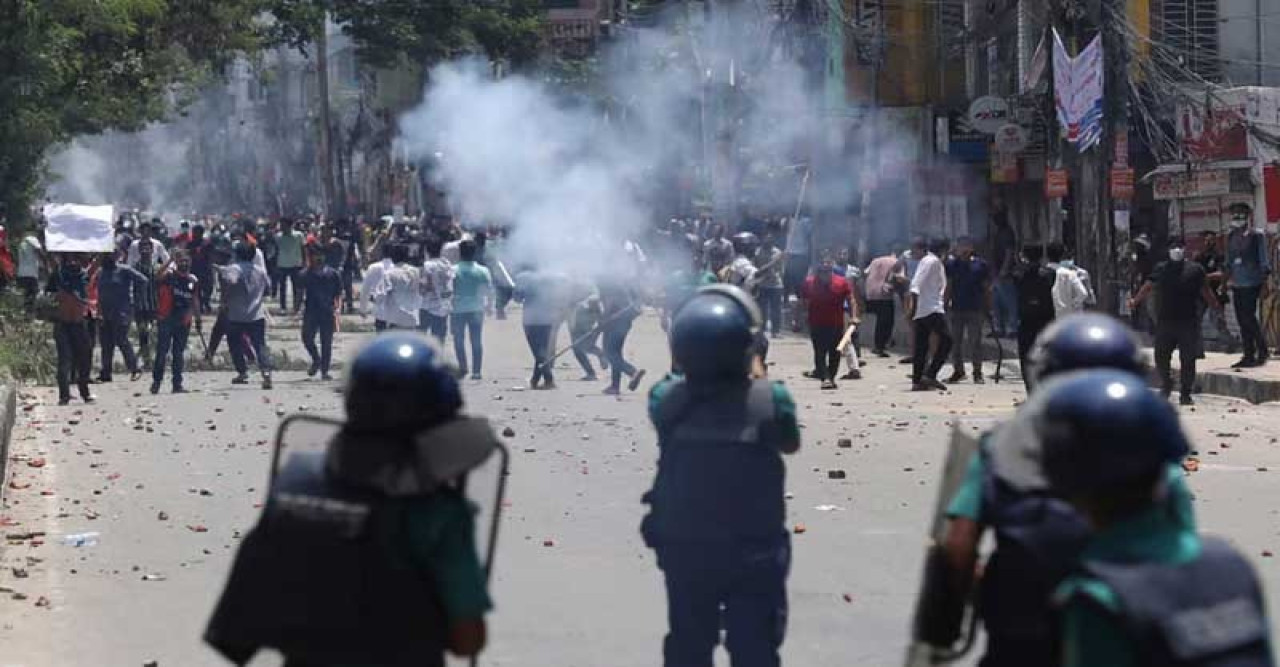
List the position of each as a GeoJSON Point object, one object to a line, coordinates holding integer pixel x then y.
{"type": "Point", "coordinates": [326, 578]}
{"type": "Point", "coordinates": [720, 472]}
{"type": "Point", "coordinates": [1204, 613]}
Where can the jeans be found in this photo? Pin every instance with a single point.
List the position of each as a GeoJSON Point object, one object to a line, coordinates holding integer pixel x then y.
{"type": "Point", "coordinates": [436, 325]}
{"type": "Point", "coordinates": [771, 308]}
{"type": "Point", "coordinates": [740, 588]}
{"type": "Point", "coordinates": [883, 310]}
{"type": "Point", "coordinates": [615, 337]}
{"type": "Point", "coordinates": [249, 337]}
{"type": "Point", "coordinates": [539, 337]}
{"type": "Point", "coordinates": [966, 327]}
{"type": "Point", "coordinates": [217, 333]}
{"type": "Point", "coordinates": [319, 323]}
{"type": "Point", "coordinates": [290, 276]}
{"type": "Point", "coordinates": [503, 297]}
{"type": "Point", "coordinates": [71, 340]}
{"type": "Point", "coordinates": [145, 323]}
{"type": "Point", "coordinates": [30, 288]}
{"type": "Point", "coordinates": [1006, 306]}
{"type": "Point", "coordinates": [826, 358]}
{"type": "Point", "coordinates": [581, 348]}
{"type": "Point", "coordinates": [1246, 302]}
{"type": "Point", "coordinates": [348, 288]}
{"type": "Point", "coordinates": [1185, 336]}
{"type": "Point", "coordinates": [171, 337]}
{"type": "Point", "coordinates": [112, 333]}
{"type": "Point", "coordinates": [206, 290]}
{"type": "Point", "coordinates": [921, 366]}
{"type": "Point", "coordinates": [463, 325]}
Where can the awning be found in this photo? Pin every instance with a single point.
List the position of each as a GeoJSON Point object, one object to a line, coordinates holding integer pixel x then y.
{"type": "Point", "coordinates": [1183, 167]}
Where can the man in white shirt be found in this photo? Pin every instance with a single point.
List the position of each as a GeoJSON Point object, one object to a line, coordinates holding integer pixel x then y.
{"type": "Point", "coordinates": [30, 261]}
{"type": "Point", "coordinates": [374, 277]}
{"type": "Point", "coordinates": [436, 288]}
{"type": "Point", "coordinates": [397, 294]}
{"type": "Point", "coordinates": [158, 252]}
{"type": "Point", "coordinates": [1069, 292]}
{"type": "Point", "coordinates": [717, 252]}
{"type": "Point", "coordinates": [928, 314]}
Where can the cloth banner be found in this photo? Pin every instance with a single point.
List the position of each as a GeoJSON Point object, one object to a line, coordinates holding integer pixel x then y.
{"type": "Point", "coordinates": [1078, 86]}
{"type": "Point", "coordinates": [79, 228]}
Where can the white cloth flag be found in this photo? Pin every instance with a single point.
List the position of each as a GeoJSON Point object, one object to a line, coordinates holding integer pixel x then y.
{"type": "Point", "coordinates": [1078, 87]}
{"type": "Point", "coordinates": [78, 228]}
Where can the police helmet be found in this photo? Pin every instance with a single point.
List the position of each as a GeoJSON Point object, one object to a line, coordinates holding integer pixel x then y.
{"type": "Point", "coordinates": [745, 243]}
{"type": "Point", "coordinates": [243, 251]}
{"type": "Point", "coordinates": [1085, 340]}
{"type": "Point", "coordinates": [713, 332]}
{"type": "Point", "coordinates": [400, 381]}
{"type": "Point", "coordinates": [1104, 430]}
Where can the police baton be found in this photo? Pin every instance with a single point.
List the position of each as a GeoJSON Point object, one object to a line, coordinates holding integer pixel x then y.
{"type": "Point", "coordinates": [585, 337]}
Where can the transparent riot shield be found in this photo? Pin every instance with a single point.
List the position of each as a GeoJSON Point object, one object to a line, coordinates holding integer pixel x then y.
{"type": "Point", "coordinates": [301, 443]}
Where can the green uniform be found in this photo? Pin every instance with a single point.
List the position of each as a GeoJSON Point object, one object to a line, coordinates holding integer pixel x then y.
{"type": "Point", "coordinates": [1091, 636]}
{"type": "Point", "coordinates": [783, 405]}
{"type": "Point", "coordinates": [441, 533]}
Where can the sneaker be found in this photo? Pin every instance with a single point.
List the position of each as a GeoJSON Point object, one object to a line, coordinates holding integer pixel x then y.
{"type": "Point", "coordinates": [134, 375]}
{"type": "Point", "coordinates": [880, 353]}
{"type": "Point", "coordinates": [590, 377]}
{"type": "Point", "coordinates": [242, 378]}
{"type": "Point", "coordinates": [611, 391]}
{"type": "Point", "coordinates": [89, 399]}
{"type": "Point", "coordinates": [315, 368]}
{"type": "Point", "coordinates": [862, 363]}
{"type": "Point", "coordinates": [635, 380]}
{"type": "Point", "coordinates": [64, 400]}
{"type": "Point", "coordinates": [978, 379]}
{"type": "Point", "coordinates": [956, 377]}
{"type": "Point", "coordinates": [828, 384]}
{"type": "Point", "coordinates": [812, 375]}
{"type": "Point", "coordinates": [266, 381]}
{"type": "Point", "coordinates": [934, 384]}
{"type": "Point", "coordinates": [326, 377]}
{"type": "Point", "coordinates": [907, 360]}
{"type": "Point", "coordinates": [852, 375]}
{"type": "Point", "coordinates": [1261, 361]}
{"type": "Point", "coordinates": [155, 387]}
{"type": "Point", "coordinates": [1186, 399]}
{"type": "Point", "coordinates": [919, 386]}
{"type": "Point", "coordinates": [475, 376]}
{"type": "Point", "coordinates": [549, 385]}
{"type": "Point", "coordinates": [104, 378]}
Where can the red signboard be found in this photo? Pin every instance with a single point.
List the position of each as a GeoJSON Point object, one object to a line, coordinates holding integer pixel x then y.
{"type": "Point", "coordinates": [1055, 183]}
{"type": "Point", "coordinates": [1122, 183]}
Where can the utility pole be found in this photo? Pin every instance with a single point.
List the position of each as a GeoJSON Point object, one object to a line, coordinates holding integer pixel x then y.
{"type": "Point", "coordinates": [331, 205]}
{"type": "Point", "coordinates": [1258, 21]}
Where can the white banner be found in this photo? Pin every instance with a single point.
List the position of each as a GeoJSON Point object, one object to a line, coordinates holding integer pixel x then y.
{"type": "Point", "coordinates": [79, 228]}
{"type": "Point", "coordinates": [1078, 88]}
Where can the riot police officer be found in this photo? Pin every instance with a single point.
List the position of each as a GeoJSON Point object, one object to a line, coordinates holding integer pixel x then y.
{"type": "Point", "coordinates": [1148, 590]}
{"type": "Point", "coordinates": [365, 554]}
{"type": "Point", "coordinates": [1037, 534]}
{"type": "Point", "coordinates": [718, 507]}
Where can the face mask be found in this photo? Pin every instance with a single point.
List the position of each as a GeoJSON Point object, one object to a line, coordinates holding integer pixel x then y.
{"type": "Point", "coordinates": [1238, 224]}
{"type": "Point", "coordinates": [1176, 254]}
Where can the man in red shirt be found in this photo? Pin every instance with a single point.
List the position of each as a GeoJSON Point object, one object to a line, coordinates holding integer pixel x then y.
{"type": "Point", "coordinates": [177, 307]}
{"type": "Point", "coordinates": [826, 296]}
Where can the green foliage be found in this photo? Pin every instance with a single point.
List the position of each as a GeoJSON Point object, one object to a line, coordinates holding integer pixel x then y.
{"type": "Point", "coordinates": [26, 344]}
{"type": "Point", "coordinates": [70, 67]}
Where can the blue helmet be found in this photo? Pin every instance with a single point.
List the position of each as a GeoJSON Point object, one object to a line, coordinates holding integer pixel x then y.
{"type": "Point", "coordinates": [1104, 430]}
{"type": "Point", "coordinates": [713, 332]}
{"type": "Point", "coordinates": [1085, 340]}
{"type": "Point", "coordinates": [399, 381]}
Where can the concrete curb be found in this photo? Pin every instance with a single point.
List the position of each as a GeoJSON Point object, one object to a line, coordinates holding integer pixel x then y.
{"type": "Point", "coordinates": [8, 412]}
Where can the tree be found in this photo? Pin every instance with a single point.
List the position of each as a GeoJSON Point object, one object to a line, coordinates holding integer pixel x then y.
{"type": "Point", "coordinates": [69, 67]}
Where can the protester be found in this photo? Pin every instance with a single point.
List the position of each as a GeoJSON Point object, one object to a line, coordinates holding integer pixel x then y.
{"type": "Point", "coordinates": [799, 256]}
{"type": "Point", "coordinates": [31, 261]}
{"type": "Point", "coordinates": [620, 306]}
{"type": "Point", "coordinates": [145, 301]}
{"type": "Point", "coordinates": [928, 313]}
{"type": "Point", "coordinates": [373, 279]}
{"type": "Point", "coordinates": [1181, 290]}
{"type": "Point", "coordinates": [398, 294]}
{"type": "Point", "coordinates": [1034, 281]}
{"type": "Point", "coordinates": [1004, 259]}
{"type": "Point", "coordinates": [1215, 268]}
{"type": "Point", "coordinates": [768, 262]}
{"type": "Point", "coordinates": [584, 330]}
{"type": "Point", "coordinates": [881, 276]}
{"type": "Point", "coordinates": [288, 244]}
{"type": "Point", "coordinates": [6, 259]}
{"type": "Point", "coordinates": [826, 297]}
{"type": "Point", "coordinates": [472, 292]}
{"type": "Point", "coordinates": [717, 251]}
{"type": "Point", "coordinates": [910, 262]}
{"type": "Point", "coordinates": [1248, 268]}
{"type": "Point", "coordinates": [146, 237]}
{"type": "Point", "coordinates": [70, 286]}
{"type": "Point", "coordinates": [116, 288]}
{"type": "Point", "coordinates": [1070, 295]}
{"type": "Point", "coordinates": [322, 296]}
{"type": "Point", "coordinates": [201, 250]}
{"type": "Point", "coordinates": [178, 307]}
{"type": "Point", "coordinates": [246, 284]}
{"type": "Point", "coordinates": [436, 290]}
{"type": "Point", "coordinates": [968, 302]}
{"type": "Point", "coordinates": [545, 298]}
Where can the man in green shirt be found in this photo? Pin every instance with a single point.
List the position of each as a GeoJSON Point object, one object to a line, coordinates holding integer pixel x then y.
{"type": "Point", "coordinates": [289, 263]}
{"type": "Point", "coordinates": [1148, 589]}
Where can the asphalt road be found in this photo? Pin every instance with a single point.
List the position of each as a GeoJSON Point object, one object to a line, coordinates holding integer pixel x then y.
{"type": "Point", "coordinates": [171, 482]}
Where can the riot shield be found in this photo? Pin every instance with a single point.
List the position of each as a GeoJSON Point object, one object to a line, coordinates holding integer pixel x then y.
{"type": "Point", "coordinates": [301, 444]}
{"type": "Point", "coordinates": [938, 620]}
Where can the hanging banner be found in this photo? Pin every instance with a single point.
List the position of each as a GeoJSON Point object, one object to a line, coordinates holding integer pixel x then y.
{"type": "Point", "coordinates": [1078, 87]}
{"type": "Point", "coordinates": [1036, 68]}
{"type": "Point", "coordinates": [1055, 183]}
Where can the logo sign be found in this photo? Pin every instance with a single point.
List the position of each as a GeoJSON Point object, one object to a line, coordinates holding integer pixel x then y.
{"type": "Point", "coordinates": [1011, 138]}
{"type": "Point", "coordinates": [1055, 183]}
{"type": "Point", "coordinates": [1122, 183]}
{"type": "Point", "coordinates": [988, 114]}
{"type": "Point", "coordinates": [1186, 184]}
